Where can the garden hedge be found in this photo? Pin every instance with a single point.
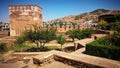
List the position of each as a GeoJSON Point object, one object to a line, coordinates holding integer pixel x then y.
{"type": "Point", "coordinates": [108, 51]}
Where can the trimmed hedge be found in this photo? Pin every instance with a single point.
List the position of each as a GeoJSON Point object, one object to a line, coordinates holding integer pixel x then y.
{"type": "Point", "coordinates": [98, 49]}
{"type": "Point", "coordinates": [3, 47]}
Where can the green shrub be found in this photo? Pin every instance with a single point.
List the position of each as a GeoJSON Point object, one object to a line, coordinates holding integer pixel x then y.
{"type": "Point", "coordinates": [103, 24]}
{"type": "Point", "coordinates": [99, 48]}
{"type": "Point", "coordinates": [115, 39]}
{"type": "Point", "coordinates": [3, 47]}
{"type": "Point", "coordinates": [80, 34]}
{"type": "Point", "coordinates": [20, 40]}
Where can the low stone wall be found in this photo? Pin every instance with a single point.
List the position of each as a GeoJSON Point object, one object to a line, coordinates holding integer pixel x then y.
{"type": "Point", "coordinates": [61, 57]}
{"type": "Point", "coordinates": [75, 63]}
{"type": "Point", "coordinates": [44, 61]}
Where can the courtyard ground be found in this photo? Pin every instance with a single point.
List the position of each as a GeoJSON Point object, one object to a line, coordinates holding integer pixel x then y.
{"type": "Point", "coordinates": [25, 59]}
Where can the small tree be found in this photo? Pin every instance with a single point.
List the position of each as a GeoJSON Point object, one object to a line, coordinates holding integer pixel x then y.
{"type": "Point", "coordinates": [61, 40]}
{"type": "Point", "coordinates": [79, 34]}
{"type": "Point", "coordinates": [72, 34]}
{"type": "Point", "coordinates": [40, 36]}
{"type": "Point", "coordinates": [103, 24]}
{"type": "Point", "coordinates": [44, 36]}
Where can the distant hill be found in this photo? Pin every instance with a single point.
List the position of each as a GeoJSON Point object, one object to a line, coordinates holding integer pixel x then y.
{"type": "Point", "coordinates": [99, 11]}
{"type": "Point", "coordinates": [81, 17]}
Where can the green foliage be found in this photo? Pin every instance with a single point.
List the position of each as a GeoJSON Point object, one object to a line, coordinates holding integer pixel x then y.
{"type": "Point", "coordinates": [72, 34]}
{"type": "Point", "coordinates": [102, 49]}
{"type": "Point", "coordinates": [26, 35]}
{"type": "Point", "coordinates": [20, 40]}
{"type": "Point", "coordinates": [20, 47]}
{"type": "Point", "coordinates": [85, 33]}
{"type": "Point", "coordinates": [80, 34]}
{"type": "Point", "coordinates": [3, 47]}
{"type": "Point", "coordinates": [112, 18]}
{"type": "Point", "coordinates": [41, 36]}
{"type": "Point", "coordinates": [61, 40]}
{"type": "Point", "coordinates": [114, 39]}
{"type": "Point", "coordinates": [117, 26]}
{"type": "Point", "coordinates": [103, 24]}
{"type": "Point", "coordinates": [38, 36]}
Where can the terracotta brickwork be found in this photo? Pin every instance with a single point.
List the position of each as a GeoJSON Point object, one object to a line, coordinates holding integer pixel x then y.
{"type": "Point", "coordinates": [23, 17]}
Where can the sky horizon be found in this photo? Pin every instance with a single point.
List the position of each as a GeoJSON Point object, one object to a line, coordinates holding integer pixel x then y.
{"type": "Point", "coordinates": [53, 9]}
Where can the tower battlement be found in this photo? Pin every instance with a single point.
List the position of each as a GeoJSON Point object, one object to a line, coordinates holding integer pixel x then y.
{"type": "Point", "coordinates": [24, 17]}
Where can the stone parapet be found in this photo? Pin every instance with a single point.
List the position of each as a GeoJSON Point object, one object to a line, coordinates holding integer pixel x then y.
{"type": "Point", "coordinates": [24, 17]}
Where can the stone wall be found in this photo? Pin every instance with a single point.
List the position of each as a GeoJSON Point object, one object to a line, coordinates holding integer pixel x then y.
{"type": "Point", "coordinates": [24, 17]}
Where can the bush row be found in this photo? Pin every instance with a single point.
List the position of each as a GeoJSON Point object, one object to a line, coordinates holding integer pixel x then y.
{"type": "Point", "coordinates": [98, 48]}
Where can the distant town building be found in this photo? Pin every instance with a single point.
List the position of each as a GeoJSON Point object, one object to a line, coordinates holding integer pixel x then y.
{"type": "Point", "coordinates": [4, 26]}
{"type": "Point", "coordinates": [23, 17]}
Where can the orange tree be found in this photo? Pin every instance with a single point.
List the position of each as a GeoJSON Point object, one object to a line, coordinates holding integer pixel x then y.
{"type": "Point", "coordinates": [38, 36]}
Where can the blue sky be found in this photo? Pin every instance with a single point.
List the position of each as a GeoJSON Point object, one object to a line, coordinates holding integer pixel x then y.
{"type": "Point", "coordinates": [53, 9]}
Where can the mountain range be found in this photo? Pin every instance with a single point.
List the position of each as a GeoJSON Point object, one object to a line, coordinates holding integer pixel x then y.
{"type": "Point", "coordinates": [80, 18]}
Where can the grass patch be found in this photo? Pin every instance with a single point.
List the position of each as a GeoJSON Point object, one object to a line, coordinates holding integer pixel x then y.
{"type": "Point", "coordinates": [25, 48]}
{"type": "Point", "coordinates": [20, 47]}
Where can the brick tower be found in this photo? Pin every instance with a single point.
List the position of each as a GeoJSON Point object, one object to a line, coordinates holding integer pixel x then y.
{"type": "Point", "coordinates": [23, 17]}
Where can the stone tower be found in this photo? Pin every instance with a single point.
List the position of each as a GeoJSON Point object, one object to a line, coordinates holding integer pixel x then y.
{"type": "Point", "coordinates": [23, 17]}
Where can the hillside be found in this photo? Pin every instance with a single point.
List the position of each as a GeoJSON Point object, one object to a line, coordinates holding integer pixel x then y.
{"type": "Point", "coordinates": [81, 17]}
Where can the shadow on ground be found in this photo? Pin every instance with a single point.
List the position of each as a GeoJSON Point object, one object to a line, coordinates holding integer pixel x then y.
{"type": "Point", "coordinates": [69, 49]}
{"type": "Point", "coordinates": [40, 49]}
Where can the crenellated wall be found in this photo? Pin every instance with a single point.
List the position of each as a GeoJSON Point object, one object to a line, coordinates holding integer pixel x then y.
{"type": "Point", "coordinates": [23, 17]}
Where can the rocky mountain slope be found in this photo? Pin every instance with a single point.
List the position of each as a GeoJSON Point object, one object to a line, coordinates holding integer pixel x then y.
{"type": "Point", "coordinates": [81, 17]}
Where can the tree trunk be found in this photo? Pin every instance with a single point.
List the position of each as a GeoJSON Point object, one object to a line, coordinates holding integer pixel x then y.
{"type": "Point", "coordinates": [61, 47]}
{"type": "Point", "coordinates": [74, 46]}
{"type": "Point", "coordinates": [74, 43]}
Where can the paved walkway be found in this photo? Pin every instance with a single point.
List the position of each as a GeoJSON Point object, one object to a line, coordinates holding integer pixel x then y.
{"type": "Point", "coordinates": [93, 59]}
